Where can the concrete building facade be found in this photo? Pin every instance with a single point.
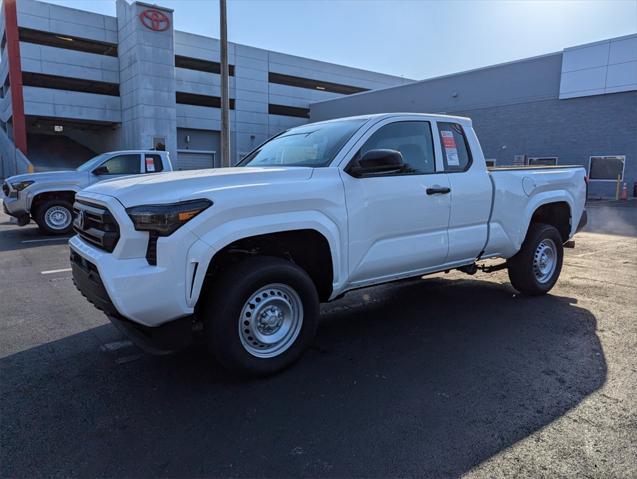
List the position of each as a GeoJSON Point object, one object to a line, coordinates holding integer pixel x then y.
{"type": "Point", "coordinates": [578, 106]}
{"type": "Point", "coordinates": [75, 83]}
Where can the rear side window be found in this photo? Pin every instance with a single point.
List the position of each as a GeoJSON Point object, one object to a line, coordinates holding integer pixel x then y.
{"type": "Point", "coordinates": [414, 141]}
{"type": "Point", "coordinates": [152, 163]}
{"type": "Point", "coordinates": [455, 149]}
{"type": "Point", "coordinates": [123, 165]}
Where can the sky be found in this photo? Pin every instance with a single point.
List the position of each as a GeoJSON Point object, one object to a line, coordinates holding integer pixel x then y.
{"type": "Point", "coordinates": [416, 39]}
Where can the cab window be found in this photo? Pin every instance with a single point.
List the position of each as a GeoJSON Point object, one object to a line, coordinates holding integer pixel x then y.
{"type": "Point", "coordinates": [152, 163]}
{"type": "Point", "coordinates": [414, 141]}
{"type": "Point", "coordinates": [123, 165]}
{"type": "Point", "coordinates": [455, 149]}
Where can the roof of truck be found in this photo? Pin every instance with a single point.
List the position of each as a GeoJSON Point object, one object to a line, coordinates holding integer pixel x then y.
{"type": "Point", "coordinates": [425, 116]}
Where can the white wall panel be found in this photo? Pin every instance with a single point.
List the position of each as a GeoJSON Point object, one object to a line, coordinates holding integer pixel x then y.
{"type": "Point", "coordinates": [70, 104]}
{"type": "Point", "coordinates": [609, 66]}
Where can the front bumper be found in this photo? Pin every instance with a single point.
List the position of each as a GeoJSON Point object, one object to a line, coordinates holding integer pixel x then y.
{"type": "Point", "coordinates": [163, 339]}
{"type": "Point", "coordinates": [16, 207]}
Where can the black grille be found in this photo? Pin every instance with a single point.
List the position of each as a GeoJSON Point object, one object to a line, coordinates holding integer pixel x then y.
{"type": "Point", "coordinates": [5, 188]}
{"type": "Point", "coordinates": [96, 225]}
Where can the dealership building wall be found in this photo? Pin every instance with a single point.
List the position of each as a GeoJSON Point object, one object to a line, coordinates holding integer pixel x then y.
{"type": "Point", "coordinates": [572, 105]}
{"type": "Point", "coordinates": [75, 83]}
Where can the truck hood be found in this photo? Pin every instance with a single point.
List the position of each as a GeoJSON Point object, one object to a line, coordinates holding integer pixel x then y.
{"type": "Point", "coordinates": [176, 186]}
{"type": "Point", "coordinates": [50, 177]}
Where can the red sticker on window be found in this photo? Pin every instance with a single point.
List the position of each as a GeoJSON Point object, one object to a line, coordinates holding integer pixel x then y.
{"type": "Point", "coordinates": [150, 164]}
{"type": "Point", "coordinates": [448, 141]}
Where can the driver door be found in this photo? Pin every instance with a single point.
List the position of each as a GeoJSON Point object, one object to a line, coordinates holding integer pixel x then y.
{"type": "Point", "coordinates": [398, 221]}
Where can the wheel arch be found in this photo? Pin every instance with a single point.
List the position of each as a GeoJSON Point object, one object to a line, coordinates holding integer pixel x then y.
{"type": "Point", "coordinates": [313, 243]}
{"type": "Point", "coordinates": [66, 194]}
{"type": "Point", "coordinates": [553, 209]}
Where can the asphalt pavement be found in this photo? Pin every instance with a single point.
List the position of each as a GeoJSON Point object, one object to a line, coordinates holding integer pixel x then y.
{"type": "Point", "coordinates": [448, 376]}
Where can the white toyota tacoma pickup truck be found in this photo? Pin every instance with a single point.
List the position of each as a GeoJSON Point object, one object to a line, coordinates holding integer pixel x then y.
{"type": "Point", "coordinates": [241, 257]}
{"type": "Point", "coordinates": [48, 197]}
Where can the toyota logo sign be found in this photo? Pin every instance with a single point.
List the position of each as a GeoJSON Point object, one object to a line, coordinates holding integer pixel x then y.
{"type": "Point", "coordinates": [154, 20]}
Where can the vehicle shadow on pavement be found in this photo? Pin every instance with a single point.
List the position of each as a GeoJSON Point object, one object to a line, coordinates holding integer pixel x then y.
{"type": "Point", "coordinates": [15, 238]}
{"type": "Point", "coordinates": [426, 378]}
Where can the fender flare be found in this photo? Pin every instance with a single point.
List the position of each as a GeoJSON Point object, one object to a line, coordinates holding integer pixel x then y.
{"type": "Point", "coordinates": [203, 251]}
{"type": "Point", "coordinates": [33, 195]}
{"type": "Point", "coordinates": [539, 200]}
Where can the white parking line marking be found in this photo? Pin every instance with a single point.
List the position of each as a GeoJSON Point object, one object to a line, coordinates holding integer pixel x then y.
{"type": "Point", "coordinates": [53, 271]}
{"type": "Point", "coordinates": [128, 359]}
{"type": "Point", "coordinates": [45, 239]}
{"type": "Point", "coordinates": [115, 345]}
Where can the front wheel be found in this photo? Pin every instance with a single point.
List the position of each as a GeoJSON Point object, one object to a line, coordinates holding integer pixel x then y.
{"type": "Point", "coordinates": [55, 217]}
{"type": "Point", "coordinates": [534, 270]}
{"type": "Point", "coordinates": [261, 315]}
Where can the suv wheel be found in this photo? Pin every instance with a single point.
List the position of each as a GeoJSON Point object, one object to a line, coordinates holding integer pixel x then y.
{"type": "Point", "coordinates": [534, 270]}
{"type": "Point", "coordinates": [261, 315]}
{"type": "Point", "coordinates": [55, 217]}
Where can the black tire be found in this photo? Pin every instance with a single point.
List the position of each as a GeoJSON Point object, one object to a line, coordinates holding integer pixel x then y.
{"type": "Point", "coordinates": [524, 266]}
{"type": "Point", "coordinates": [224, 308]}
{"type": "Point", "coordinates": [47, 227]}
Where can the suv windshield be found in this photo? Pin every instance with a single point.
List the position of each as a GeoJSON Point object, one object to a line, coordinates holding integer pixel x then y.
{"type": "Point", "coordinates": [307, 145]}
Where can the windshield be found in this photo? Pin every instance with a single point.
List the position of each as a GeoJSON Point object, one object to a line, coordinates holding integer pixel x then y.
{"type": "Point", "coordinates": [91, 163]}
{"type": "Point", "coordinates": [307, 145]}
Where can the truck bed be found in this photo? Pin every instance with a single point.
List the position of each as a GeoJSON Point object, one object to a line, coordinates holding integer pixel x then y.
{"type": "Point", "coordinates": [519, 190]}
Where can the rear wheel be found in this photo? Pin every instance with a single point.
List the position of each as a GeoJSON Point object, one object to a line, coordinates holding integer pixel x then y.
{"type": "Point", "coordinates": [261, 315]}
{"type": "Point", "coordinates": [55, 217]}
{"type": "Point", "coordinates": [534, 270]}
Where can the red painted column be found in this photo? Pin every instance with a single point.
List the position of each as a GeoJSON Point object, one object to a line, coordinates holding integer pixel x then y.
{"type": "Point", "coordinates": [15, 75]}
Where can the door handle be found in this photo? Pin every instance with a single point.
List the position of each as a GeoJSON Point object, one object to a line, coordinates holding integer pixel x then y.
{"type": "Point", "coordinates": [438, 190]}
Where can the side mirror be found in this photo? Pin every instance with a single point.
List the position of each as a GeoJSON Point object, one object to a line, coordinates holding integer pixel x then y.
{"type": "Point", "coordinates": [376, 161]}
{"type": "Point", "coordinates": [100, 170]}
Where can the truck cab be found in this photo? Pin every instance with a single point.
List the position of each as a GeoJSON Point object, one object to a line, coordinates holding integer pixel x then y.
{"type": "Point", "coordinates": [48, 197]}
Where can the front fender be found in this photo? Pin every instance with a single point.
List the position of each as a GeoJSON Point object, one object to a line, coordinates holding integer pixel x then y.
{"type": "Point", "coordinates": [202, 251]}
{"type": "Point", "coordinates": [38, 190]}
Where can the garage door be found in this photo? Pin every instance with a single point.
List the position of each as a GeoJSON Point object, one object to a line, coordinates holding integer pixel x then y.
{"type": "Point", "coordinates": [189, 160]}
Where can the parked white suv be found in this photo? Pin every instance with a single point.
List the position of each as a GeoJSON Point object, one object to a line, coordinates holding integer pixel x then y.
{"type": "Point", "coordinates": [48, 197]}
{"type": "Point", "coordinates": [246, 254]}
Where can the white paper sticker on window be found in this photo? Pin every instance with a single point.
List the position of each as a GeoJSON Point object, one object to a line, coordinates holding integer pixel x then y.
{"type": "Point", "coordinates": [449, 144]}
{"type": "Point", "coordinates": [150, 164]}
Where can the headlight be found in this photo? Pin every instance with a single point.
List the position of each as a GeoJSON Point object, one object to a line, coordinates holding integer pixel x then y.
{"type": "Point", "coordinates": [164, 220]}
{"type": "Point", "coordinates": [21, 185]}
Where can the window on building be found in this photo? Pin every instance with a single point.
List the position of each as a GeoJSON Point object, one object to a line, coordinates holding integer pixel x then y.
{"type": "Point", "coordinates": [606, 168]}
{"type": "Point", "coordinates": [491, 163]}
{"type": "Point", "coordinates": [68, 42]}
{"type": "Point", "coordinates": [455, 149]}
{"type": "Point", "coordinates": [543, 161]}
{"type": "Point", "coordinates": [300, 82]}
{"type": "Point", "coordinates": [200, 100]}
{"type": "Point", "coordinates": [153, 163]}
{"type": "Point", "coordinates": [414, 141]}
{"type": "Point", "coordinates": [123, 165]}
{"type": "Point", "coordinates": [72, 84]}
{"type": "Point", "coordinates": [201, 65]}
{"type": "Point", "coordinates": [288, 111]}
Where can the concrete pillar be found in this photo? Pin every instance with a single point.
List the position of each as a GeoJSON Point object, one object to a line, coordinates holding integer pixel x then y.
{"type": "Point", "coordinates": [147, 76]}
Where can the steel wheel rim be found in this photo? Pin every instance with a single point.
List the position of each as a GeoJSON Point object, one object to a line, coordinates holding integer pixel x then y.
{"type": "Point", "coordinates": [545, 260]}
{"type": "Point", "coordinates": [271, 320]}
{"type": "Point", "coordinates": [57, 218]}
